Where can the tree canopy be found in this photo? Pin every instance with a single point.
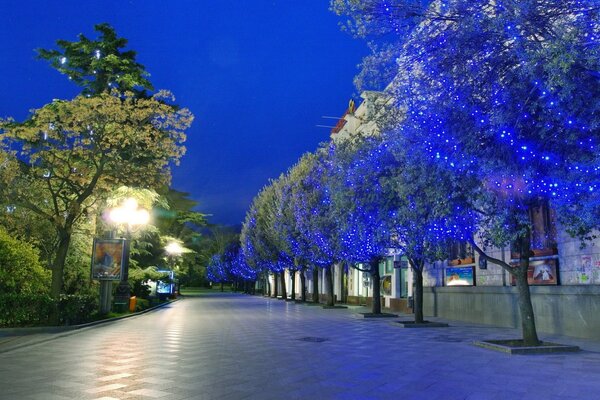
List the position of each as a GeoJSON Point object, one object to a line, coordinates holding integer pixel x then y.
{"type": "Point", "coordinates": [99, 65]}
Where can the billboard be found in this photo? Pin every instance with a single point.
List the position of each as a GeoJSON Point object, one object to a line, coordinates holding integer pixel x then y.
{"type": "Point", "coordinates": [540, 272]}
{"type": "Point", "coordinates": [166, 287]}
{"type": "Point", "coordinates": [108, 259]}
{"type": "Point", "coordinates": [458, 276]}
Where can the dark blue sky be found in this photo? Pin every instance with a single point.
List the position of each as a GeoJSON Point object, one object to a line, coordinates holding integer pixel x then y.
{"type": "Point", "coordinates": [258, 75]}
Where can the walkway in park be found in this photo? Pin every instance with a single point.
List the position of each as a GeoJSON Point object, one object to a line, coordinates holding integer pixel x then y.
{"type": "Point", "coordinates": [226, 346]}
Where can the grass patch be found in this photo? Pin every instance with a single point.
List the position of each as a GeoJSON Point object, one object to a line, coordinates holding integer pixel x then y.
{"type": "Point", "coordinates": [187, 291]}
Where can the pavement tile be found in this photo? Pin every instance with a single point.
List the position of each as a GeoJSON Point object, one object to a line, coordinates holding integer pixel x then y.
{"type": "Point", "coordinates": [227, 346]}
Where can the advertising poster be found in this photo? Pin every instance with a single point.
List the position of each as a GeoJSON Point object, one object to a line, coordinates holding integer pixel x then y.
{"type": "Point", "coordinates": [107, 259]}
{"type": "Point", "coordinates": [541, 272]}
{"type": "Point", "coordinates": [459, 276]}
{"type": "Point", "coordinates": [585, 271]}
{"type": "Point", "coordinates": [166, 287]}
{"type": "Point", "coordinates": [386, 285]}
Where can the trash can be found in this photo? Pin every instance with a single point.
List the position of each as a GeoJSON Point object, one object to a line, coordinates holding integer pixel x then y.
{"type": "Point", "coordinates": [132, 303]}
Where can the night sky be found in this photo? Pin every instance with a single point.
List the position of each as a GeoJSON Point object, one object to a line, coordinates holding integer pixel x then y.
{"type": "Point", "coordinates": [258, 76]}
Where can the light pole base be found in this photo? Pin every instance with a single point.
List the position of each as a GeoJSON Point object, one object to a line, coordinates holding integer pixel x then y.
{"type": "Point", "coordinates": [122, 297]}
{"type": "Point", "coordinates": [105, 296]}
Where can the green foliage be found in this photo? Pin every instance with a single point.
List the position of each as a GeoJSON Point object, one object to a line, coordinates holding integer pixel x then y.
{"type": "Point", "coordinates": [34, 309]}
{"type": "Point", "coordinates": [76, 309]}
{"type": "Point", "coordinates": [139, 278]}
{"type": "Point", "coordinates": [20, 269]}
{"type": "Point", "coordinates": [141, 304]}
{"type": "Point", "coordinates": [25, 309]}
{"type": "Point", "coordinates": [27, 226]}
{"type": "Point", "coordinates": [74, 152]}
{"type": "Point", "coordinates": [77, 266]}
{"type": "Point", "coordinates": [99, 65]}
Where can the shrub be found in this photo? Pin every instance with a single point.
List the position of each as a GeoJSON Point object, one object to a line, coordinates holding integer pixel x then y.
{"type": "Point", "coordinates": [34, 309]}
{"type": "Point", "coordinates": [142, 304]}
{"type": "Point", "coordinates": [25, 309]}
{"type": "Point", "coordinates": [20, 269]}
{"type": "Point", "coordinates": [76, 309]}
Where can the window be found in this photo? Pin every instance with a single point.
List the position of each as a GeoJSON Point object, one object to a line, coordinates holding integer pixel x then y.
{"type": "Point", "coordinates": [543, 227]}
{"type": "Point", "coordinates": [543, 231]}
{"type": "Point", "coordinates": [460, 253]}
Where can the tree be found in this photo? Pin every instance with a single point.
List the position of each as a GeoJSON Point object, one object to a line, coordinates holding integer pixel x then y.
{"type": "Point", "coordinates": [216, 270]}
{"type": "Point", "coordinates": [315, 220]}
{"type": "Point", "coordinates": [251, 247]}
{"type": "Point", "coordinates": [300, 246]}
{"type": "Point", "coordinates": [75, 152]}
{"type": "Point", "coordinates": [385, 25]}
{"type": "Point", "coordinates": [99, 66]}
{"type": "Point", "coordinates": [272, 248]}
{"type": "Point", "coordinates": [508, 94]}
{"type": "Point", "coordinates": [174, 219]}
{"type": "Point", "coordinates": [362, 204]}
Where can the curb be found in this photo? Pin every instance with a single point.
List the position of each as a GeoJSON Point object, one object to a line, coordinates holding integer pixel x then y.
{"type": "Point", "coordinates": [62, 331]}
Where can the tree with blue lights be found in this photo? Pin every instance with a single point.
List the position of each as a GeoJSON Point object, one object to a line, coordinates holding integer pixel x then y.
{"type": "Point", "coordinates": [363, 205]}
{"type": "Point", "coordinates": [254, 247]}
{"type": "Point", "coordinates": [384, 24]}
{"type": "Point", "coordinates": [316, 223]}
{"type": "Point", "coordinates": [216, 270]}
{"type": "Point", "coordinates": [262, 246]}
{"type": "Point", "coordinates": [294, 198]}
{"type": "Point", "coordinates": [508, 93]}
{"type": "Point", "coordinates": [288, 238]}
{"type": "Point", "coordinates": [430, 211]}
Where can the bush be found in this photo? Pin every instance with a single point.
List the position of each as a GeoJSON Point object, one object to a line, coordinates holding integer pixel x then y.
{"type": "Point", "coordinates": [25, 309]}
{"type": "Point", "coordinates": [142, 304]}
{"type": "Point", "coordinates": [33, 309]}
{"type": "Point", "coordinates": [20, 269]}
{"type": "Point", "coordinates": [76, 309]}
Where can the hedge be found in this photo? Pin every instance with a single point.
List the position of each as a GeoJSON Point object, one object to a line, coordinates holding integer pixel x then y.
{"type": "Point", "coordinates": [29, 309]}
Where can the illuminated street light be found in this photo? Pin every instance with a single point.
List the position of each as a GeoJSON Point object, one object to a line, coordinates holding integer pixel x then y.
{"type": "Point", "coordinates": [174, 249]}
{"type": "Point", "coordinates": [132, 218]}
{"type": "Point", "coordinates": [129, 215]}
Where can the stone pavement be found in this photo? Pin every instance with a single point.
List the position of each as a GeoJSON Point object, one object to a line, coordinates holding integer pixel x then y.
{"type": "Point", "coordinates": [229, 346]}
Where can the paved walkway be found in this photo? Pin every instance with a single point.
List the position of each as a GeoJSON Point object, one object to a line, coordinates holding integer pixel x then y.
{"type": "Point", "coordinates": [241, 347]}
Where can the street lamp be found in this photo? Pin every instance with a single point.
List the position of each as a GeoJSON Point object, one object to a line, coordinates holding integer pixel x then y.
{"type": "Point", "coordinates": [132, 218]}
{"type": "Point", "coordinates": [129, 215]}
{"type": "Point", "coordinates": [173, 249]}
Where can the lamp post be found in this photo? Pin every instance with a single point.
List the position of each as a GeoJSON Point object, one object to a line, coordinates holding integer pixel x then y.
{"type": "Point", "coordinates": [173, 249]}
{"type": "Point", "coordinates": [132, 218]}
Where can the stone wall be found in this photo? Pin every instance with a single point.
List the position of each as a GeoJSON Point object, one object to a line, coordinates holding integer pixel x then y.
{"type": "Point", "coordinates": [566, 310]}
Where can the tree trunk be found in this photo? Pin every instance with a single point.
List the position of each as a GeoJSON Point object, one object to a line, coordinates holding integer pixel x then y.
{"type": "Point", "coordinates": [329, 282]}
{"type": "Point", "coordinates": [374, 264]}
{"type": "Point", "coordinates": [303, 285]}
{"type": "Point", "coordinates": [529, 331]}
{"type": "Point", "coordinates": [58, 266]}
{"type": "Point", "coordinates": [275, 285]}
{"type": "Point", "coordinates": [293, 274]}
{"type": "Point", "coordinates": [222, 290]}
{"type": "Point", "coordinates": [283, 288]}
{"type": "Point", "coordinates": [315, 285]}
{"type": "Point", "coordinates": [342, 288]}
{"type": "Point", "coordinates": [266, 286]}
{"type": "Point", "coordinates": [58, 269]}
{"type": "Point", "coordinates": [418, 293]}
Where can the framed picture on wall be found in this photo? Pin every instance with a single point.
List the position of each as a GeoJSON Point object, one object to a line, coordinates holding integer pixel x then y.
{"type": "Point", "coordinates": [386, 285]}
{"type": "Point", "coordinates": [458, 276]}
{"type": "Point", "coordinates": [540, 272]}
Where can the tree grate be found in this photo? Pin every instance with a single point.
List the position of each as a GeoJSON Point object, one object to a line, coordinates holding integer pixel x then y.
{"type": "Point", "coordinates": [313, 339]}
